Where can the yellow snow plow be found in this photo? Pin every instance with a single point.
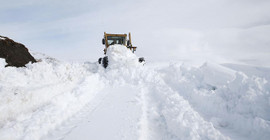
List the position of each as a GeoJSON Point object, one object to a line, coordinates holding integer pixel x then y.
{"type": "Point", "coordinates": [112, 39]}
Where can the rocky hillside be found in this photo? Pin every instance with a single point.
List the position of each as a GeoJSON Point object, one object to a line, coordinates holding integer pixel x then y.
{"type": "Point", "coordinates": [15, 54]}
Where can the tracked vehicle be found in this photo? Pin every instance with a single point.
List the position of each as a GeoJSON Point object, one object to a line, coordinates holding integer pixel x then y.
{"type": "Point", "coordinates": [112, 39]}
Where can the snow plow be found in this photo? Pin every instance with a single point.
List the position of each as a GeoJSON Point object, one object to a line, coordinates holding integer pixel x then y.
{"type": "Point", "coordinates": [114, 39]}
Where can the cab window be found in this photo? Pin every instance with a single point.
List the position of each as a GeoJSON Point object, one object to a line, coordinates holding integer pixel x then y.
{"type": "Point", "coordinates": [115, 40]}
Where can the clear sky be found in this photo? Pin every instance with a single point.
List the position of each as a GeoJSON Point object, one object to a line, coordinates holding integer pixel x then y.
{"type": "Point", "coordinates": [72, 30]}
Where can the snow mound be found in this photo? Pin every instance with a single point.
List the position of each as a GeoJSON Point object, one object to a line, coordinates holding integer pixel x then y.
{"type": "Point", "coordinates": [121, 56]}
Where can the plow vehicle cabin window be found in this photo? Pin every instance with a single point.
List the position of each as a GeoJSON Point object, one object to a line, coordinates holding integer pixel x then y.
{"type": "Point", "coordinates": [115, 40]}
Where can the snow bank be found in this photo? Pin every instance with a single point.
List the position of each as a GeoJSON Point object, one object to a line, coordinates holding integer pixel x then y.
{"type": "Point", "coordinates": [236, 104]}
{"type": "Point", "coordinates": [36, 99]}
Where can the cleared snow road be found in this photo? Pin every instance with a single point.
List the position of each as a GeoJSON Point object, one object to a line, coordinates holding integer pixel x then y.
{"type": "Point", "coordinates": [115, 118]}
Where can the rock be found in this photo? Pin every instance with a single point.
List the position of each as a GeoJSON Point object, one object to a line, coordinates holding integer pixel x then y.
{"type": "Point", "coordinates": [15, 54]}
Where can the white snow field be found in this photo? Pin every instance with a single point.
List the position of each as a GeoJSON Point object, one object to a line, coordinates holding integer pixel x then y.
{"type": "Point", "coordinates": [53, 100]}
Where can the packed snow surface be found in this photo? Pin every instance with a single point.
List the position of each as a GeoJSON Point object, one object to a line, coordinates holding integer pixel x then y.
{"type": "Point", "coordinates": [59, 100]}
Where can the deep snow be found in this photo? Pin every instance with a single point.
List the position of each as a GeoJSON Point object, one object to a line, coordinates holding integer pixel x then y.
{"type": "Point", "coordinates": [59, 100]}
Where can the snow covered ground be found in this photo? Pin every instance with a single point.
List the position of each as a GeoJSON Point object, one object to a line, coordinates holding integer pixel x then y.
{"type": "Point", "coordinates": [69, 101]}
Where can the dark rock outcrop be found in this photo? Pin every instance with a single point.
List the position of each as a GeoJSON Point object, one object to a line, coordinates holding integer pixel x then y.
{"type": "Point", "coordinates": [15, 54]}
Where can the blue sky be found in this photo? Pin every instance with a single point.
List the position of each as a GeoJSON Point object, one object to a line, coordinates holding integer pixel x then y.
{"type": "Point", "coordinates": [162, 30]}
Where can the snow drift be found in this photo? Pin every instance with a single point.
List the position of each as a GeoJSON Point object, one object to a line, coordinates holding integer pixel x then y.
{"type": "Point", "coordinates": [176, 101]}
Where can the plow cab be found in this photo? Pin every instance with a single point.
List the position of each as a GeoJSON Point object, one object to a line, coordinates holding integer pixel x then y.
{"type": "Point", "coordinates": [121, 39]}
